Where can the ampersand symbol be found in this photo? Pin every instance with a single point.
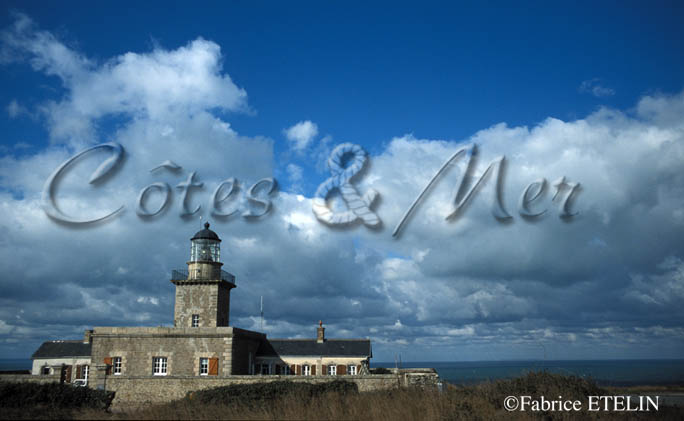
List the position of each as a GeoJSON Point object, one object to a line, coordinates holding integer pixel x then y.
{"type": "Point", "coordinates": [358, 207]}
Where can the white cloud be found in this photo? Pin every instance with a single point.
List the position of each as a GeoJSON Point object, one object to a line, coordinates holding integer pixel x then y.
{"type": "Point", "coordinates": [660, 290]}
{"type": "Point", "coordinates": [301, 135]}
{"type": "Point", "coordinates": [148, 300]}
{"type": "Point", "coordinates": [158, 85]}
{"type": "Point", "coordinates": [294, 172]}
{"type": "Point", "coordinates": [594, 87]}
{"type": "Point", "coordinates": [42, 49]}
{"type": "Point", "coordinates": [464, 331]}
{"type": "Point", "coordinates": [14, 109]}
{"type": "Point", "coordinates": [5, 328]}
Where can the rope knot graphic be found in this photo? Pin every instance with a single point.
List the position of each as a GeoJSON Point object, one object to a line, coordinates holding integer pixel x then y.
{"type": "Point", "coordinates": [358, 207]}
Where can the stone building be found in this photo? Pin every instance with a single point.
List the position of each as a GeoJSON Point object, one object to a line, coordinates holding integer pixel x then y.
{"type": "Point", "coordinates": [201, 341]}
{"type": "Point", "coordinates": [68, 359]}
{"type": "Point", "coordinates": [310, 357]}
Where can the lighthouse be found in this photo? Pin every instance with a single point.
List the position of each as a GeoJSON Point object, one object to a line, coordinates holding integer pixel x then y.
{"type": "Point", "coordinates": [203, 290]}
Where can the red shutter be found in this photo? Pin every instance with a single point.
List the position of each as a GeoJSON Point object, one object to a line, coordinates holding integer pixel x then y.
{"type": "Point", "coordinates": [213, 366]}
{"type": "Point", "coordinates": [78, 372]}
{"type": "Point", "coordinates": [67, 376]}
{"type": "Point", "coordinates": [358, 369]}
{"type": "Point", "coordinates": [313, 370]}
{"type": "Point", "coordinates": [324, 370]}
{"type": "Point", "coordinates": [341, 370]}
{"type": "Point", "coordinates": [108, 361]}
{"type": "Point", "coordinates": [298, 370]}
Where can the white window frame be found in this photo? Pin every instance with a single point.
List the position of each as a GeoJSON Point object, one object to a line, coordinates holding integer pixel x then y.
{"type": "Point", "coordinates": [267, 366]}
{"type": "Point", "coordinates": [45, 370]}
{"type": "Point", "coordinates": [116, 366]}
{"type": "Point", "coordinates": [284, 369]}
{"type": "Point", "coordinates": [332, 370]}
{"type": "Point", "coordinates": [351, 369]}
{"type": "Point", "coordinates": [204, 366]}
{"type": "Point", "coordinates": [86, 372]}
{"type": "Point", "coordinates": [195, 320]}
{"type": "Point", "coordinates": [306, 370]}
{"type": "Point", "coordinates": [160, 366]}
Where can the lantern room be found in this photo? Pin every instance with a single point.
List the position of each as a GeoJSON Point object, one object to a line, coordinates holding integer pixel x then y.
{"type": "Point", "coordinates": [205, 246]}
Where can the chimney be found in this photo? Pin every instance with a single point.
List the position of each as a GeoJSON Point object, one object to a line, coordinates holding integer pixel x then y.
{"type": "Point", "coordinates": [321, 332]}
{"type": "Point", "coordinates": [87, 337]}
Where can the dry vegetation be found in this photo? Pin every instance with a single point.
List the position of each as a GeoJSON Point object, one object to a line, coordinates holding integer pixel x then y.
{"type": "Point", "coordinates": [483, 401]}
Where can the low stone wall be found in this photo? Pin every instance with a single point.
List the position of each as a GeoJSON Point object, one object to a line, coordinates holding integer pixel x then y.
{"type": "Point", "coordinates": [139, 390]}
{"type": "Point", "coordinates": [417, 377]}
{"type": "Point", "coordinates": [421, 379]}
{"type": "Point", "coordinates": [29, 378]}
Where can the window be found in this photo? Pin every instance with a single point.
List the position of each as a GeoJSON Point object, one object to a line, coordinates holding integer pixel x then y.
{"type": "Point", "coordinates": [46, 371]}
{"type": "Point", "coordinates": [195, 320]}
{"type": "Point", "coordinates": [204, 366]}
{"type": "Point", "coordinates": [332, 370]}
{"type": "Point", "coordinates": [116, 361]}
{"type": "Point", "coordinates": [351, 370]}
{"type": "Point", "coordinates": [86, 371]}
{"type": "Point", "coordinates": [283, 369]}
{"type": "Point", "coordinates": [205, 250]}
{"type": "Point", "coordinates": [265, 369]}
{"type": "Point", "coordinates": [306, 370]}
{"type": "Point", "coordinates": [160, 365]}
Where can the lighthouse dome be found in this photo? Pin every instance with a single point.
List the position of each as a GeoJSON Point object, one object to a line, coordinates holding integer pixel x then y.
{"type": "Point", "coordinates": [206, 234]}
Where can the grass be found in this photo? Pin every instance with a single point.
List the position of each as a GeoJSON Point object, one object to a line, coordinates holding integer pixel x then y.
{"type": "Point", "coordinates": [479, 402]}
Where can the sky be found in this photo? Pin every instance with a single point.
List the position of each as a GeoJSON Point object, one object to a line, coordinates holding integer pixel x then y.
{"type": "Point", "coordinates": [588, 94]}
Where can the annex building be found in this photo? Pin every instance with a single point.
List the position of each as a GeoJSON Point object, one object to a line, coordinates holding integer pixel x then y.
{"type": "Point", "coordinates": [201, 343]}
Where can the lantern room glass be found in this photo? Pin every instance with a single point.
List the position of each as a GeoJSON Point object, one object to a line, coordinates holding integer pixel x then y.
{"type": "Point", "coordinates": [205, 250]}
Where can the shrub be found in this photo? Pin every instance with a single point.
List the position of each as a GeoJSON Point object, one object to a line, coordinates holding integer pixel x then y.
{"type": "Point", "coordinates": [52, 396]}
{"type": "Point", "coordinates": [257, 393]}
{"type": "Point", "coordinates": [541, 383]}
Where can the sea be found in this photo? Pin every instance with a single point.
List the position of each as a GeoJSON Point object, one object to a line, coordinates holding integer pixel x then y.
{"type": "Point", "coordinates": [604, 372]}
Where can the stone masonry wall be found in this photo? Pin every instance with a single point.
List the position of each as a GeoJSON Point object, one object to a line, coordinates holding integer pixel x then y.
{"type": "Point", "coordinates": [137, 353]}
{"type": "Point", "coordinates": [208, 299]}
{"type": "Point", "coordinates": [140, 390]}
{"type": "Point", "coordinates": [223, 306]}
{"type": "Point", "coordinates": [182, 347]}
{"type": "Point", "coordinates": [243, 355]}
{"type": "Point", "coordinates": [53, 378]}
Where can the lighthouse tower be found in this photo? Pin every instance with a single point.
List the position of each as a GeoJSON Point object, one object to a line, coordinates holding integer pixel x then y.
{"type": "Point", "coordinates": [203, 291]}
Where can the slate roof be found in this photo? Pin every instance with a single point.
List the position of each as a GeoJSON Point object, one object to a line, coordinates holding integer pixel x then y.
{"type": "Point", "coordinates": [310, 347]}
{"type": "Point", "coordinates": [61, 349]}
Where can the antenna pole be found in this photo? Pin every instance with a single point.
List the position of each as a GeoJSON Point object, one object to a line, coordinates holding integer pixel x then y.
{"type": "Point", "coordinates": [262, 312]}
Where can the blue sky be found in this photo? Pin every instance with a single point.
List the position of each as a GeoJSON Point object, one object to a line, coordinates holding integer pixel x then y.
{"type": "Point", "coordinates": [580, 91]}
{"type": "Point", "coordinates": [367, 72]}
